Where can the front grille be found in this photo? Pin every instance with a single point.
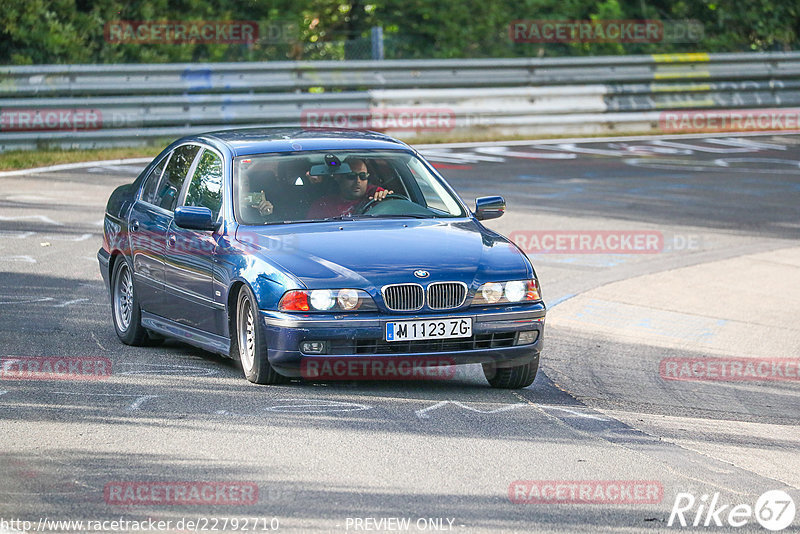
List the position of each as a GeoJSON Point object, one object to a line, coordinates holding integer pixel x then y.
{"type": "Point", "coordinates": [446, 295]}
{"type": "Point", "coordinates": [379, 346]}
{"type": "Point", "coordinates": [403, 297]}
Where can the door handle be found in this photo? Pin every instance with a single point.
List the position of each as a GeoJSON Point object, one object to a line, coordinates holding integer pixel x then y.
{"type": "Point", "coordinates": [171, 241]}
{"type": "Point", "coordinates": [134, 225]}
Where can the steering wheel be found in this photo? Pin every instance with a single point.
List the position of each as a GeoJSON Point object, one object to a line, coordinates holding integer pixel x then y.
{"type": "Point", "coordinates": [369, 203]}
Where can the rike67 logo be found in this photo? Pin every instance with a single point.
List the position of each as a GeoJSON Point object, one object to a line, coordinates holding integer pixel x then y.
{"type": "Point", "coordinates": [774, 510]}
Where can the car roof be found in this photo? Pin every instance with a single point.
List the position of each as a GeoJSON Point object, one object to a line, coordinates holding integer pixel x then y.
{"type": "Point", "coordinates": [248, 141]}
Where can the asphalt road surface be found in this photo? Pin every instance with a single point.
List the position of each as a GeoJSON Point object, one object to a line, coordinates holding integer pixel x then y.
{"type": "Point", "coordinates": [609, 438]}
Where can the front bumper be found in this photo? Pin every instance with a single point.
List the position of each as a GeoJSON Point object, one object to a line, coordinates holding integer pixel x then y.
{"type": "Point", "coordinates": [494, 331]}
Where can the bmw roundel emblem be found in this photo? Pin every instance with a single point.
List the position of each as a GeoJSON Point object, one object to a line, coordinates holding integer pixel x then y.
{"type": "Point", "coordinates": [421, 274]}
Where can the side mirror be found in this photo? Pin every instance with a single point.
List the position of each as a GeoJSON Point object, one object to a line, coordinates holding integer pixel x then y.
{"type": "Point", "coordinates": [489, 208]}
{"type": "Point", "coordinates": [195, 218]}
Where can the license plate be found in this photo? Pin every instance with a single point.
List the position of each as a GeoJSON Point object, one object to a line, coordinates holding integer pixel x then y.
{"type": "Point", "coordinates": [430, 329]}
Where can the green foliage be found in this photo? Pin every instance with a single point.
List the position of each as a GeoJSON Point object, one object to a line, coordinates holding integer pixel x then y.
{"type": "Point", "coordinates": [72, 31]}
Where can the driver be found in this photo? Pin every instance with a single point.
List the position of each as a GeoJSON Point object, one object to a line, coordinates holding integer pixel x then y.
{"type": "Point", "coordinates": [351, 190]}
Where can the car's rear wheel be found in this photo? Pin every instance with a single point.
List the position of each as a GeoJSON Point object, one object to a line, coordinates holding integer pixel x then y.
{"type": "Point", "coordinates": [125, 306]}
{"type": "Point", "coordinates": [250, 344]}
{"type": "Point", "coordinates": [516, 377]}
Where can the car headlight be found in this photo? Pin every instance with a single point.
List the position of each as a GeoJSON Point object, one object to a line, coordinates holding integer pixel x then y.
{"type": "Point", "coordinates": [507, 292]}
{"type": "Point", "coordinates": [326, 300]}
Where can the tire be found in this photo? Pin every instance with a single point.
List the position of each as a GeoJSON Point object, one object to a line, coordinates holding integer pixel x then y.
{"type": "Point", "coordinates": [248, 345]}
{"type": "Point", "coordinates": [517, 377]}
{"type": "Point", "coordinates": [125, 311]}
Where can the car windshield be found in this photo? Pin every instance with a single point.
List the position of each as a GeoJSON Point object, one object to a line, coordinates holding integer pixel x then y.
{"type": "Point", "coordinates": [320, 186]}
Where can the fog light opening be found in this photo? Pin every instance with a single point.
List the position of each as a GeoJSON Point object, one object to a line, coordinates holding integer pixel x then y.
{"type": "Point", "coordinates": [313, 347]}
{"type": "Point", "coordinates": [528, 337]}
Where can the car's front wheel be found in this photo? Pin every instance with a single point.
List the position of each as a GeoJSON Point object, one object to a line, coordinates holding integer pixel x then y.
{"type": "Point", "coordinates": [125, 306]}
{"type": "Point", "coordinates": [249, 342]}
{"type": "Point", "coordinates": [516, 377]}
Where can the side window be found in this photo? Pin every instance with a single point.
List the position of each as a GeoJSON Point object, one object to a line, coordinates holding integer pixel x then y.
{"type": "Point", "coordinates": [151, 182]}
{"type": "Point", "coordinates": [205, 189]}
{"type": "Point", "coordinates": [434, 194]}
{"type": "Point", "coordinates": [174, 175]}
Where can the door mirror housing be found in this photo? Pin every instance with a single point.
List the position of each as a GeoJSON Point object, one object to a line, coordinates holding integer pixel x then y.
{"type": "Point", "coordinates": [195, 218]}
{"type": "Point", "coordinates": [489, 208]}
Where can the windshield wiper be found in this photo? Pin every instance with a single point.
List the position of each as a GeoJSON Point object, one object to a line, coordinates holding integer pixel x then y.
{"type": "Point", "coordinates": [390, 215]}
{"type": "Point", "coordinates": [327, 219]}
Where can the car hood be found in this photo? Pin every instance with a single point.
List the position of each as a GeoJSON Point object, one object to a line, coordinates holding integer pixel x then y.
{"type": "Point", "coordinates": [366, 254]}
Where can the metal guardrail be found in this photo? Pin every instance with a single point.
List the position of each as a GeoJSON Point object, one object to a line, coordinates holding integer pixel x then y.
{"type": "Point", "coordinates": [130, 104]}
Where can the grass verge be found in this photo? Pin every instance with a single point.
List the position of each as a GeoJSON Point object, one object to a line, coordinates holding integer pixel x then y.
{"type": "Point", "coordinates": [28, 159]}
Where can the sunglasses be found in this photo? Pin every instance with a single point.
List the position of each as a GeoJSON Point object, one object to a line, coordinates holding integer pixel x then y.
{"type": "Point", "coordinates": [360, 175]}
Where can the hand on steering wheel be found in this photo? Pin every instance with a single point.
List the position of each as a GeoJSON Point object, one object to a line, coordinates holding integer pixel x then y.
{"type": "Point", "coordinates": [368, 203]}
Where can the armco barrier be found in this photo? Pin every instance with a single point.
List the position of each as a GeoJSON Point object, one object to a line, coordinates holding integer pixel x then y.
{"type": "Point", "coordinates": [103, 105]}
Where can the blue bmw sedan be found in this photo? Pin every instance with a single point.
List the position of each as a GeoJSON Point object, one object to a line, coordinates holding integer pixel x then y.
{"type": "Point", "coordinates": [295, 250]}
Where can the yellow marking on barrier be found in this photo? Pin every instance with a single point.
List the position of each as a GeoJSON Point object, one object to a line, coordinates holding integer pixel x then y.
{"type": "Point", "coordinates": [678, 74]}
{"type": "Point", "coordinates": [706, 102]}
{"type": "Point", "coordinates": [679, 88]}
{"type": "Point", "coordinates": [680, 58]}
{"type": "Point", "coordinates": [8, 83]}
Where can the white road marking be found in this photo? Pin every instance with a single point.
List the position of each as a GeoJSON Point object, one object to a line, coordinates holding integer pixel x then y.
{"type": "Point", "coordinates": [572, 147]}
{"type": "Point", "coordinates": [13, 234]}
{"type": "Point", "coordinates": [460, 157]}
{"type": "Point", "coordinates": [138, 402]}
{"type": "Point", "coordinates": [673, 165]}
{"type": "Point", "coordinates": [43, 218]}
{"type": "Point", "coordinates": [18, 259]}
{"type": "Point", "coordinates": [504, 151]}
{"type": "Point", "coordinates": [423, 413]}
{"type": "Point", "coordinates": [12, 299]}
{"type": "Point", "coordinates": [726, 162]}
{"type": "Point", "coordinates": [701, 148]}
{"type": "Point", "coordinates": [82, 237]}
{"type": "Point", "coordinates": [20, 234]}
{"type": "Point", "coordinates": [317, 406]}
{"type": "Point", "coordinates": [140, 399]}
{"type": "Point", "coordinates": [2, 392]}
{"type": "Point", "coordinates": [165, 369]}
{"type": "Point", "coordinates": [98, 342]}
{"type": "Point", "coordinates": [69, 303]}
{"type": "Point", "coordinates": [755, 145]}
{"type": "Point", "coordinates": [22, 198]}
{"type": "Point", "coordinates": [616, 139]}
{"type": "Point", "coordinates": [576, 413]}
